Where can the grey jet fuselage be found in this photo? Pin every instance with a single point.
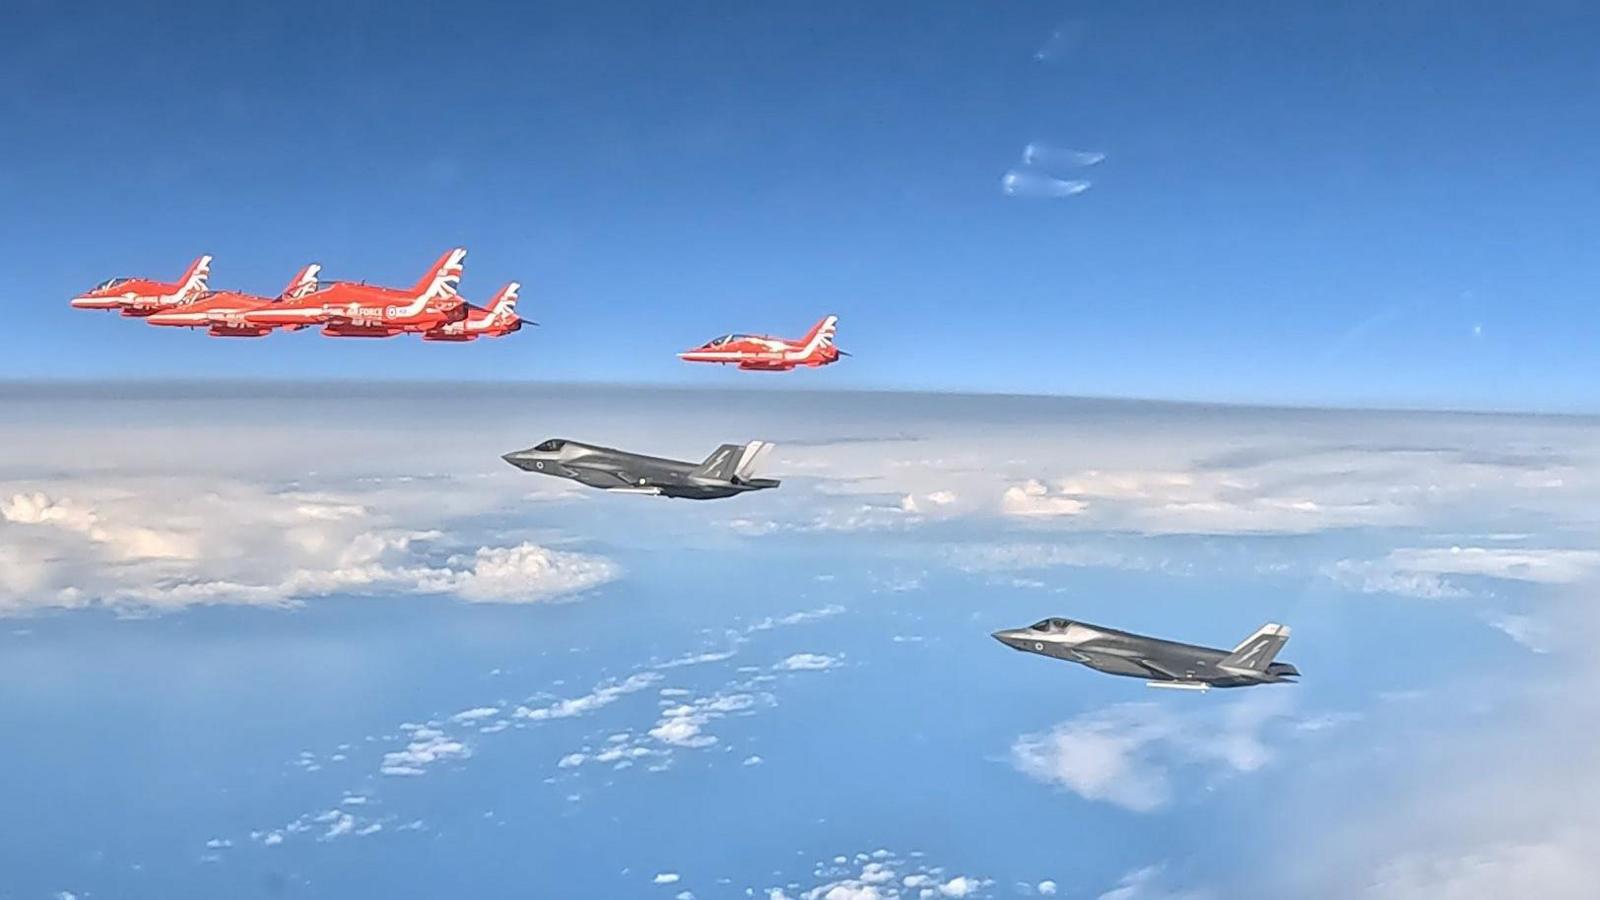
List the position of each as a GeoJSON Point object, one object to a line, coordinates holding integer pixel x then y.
{"type": "Point", "coordinates": [1161, 662]}
{"type": "Point", "coordinates": [723, 474]}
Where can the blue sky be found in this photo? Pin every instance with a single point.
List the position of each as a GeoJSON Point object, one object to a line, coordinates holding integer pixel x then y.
{"type": "Point", "coordinates": [1386, 205]}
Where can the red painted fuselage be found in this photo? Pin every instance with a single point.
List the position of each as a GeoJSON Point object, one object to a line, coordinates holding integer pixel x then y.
{"type": "Point", "coordinates": [498, 319]}
{"type": "Point", "coordinates": [143, 297]}
{"type": "Point", "coordinates": [756, 352]}
{"type": "Point", "coordinates": [349, 309]}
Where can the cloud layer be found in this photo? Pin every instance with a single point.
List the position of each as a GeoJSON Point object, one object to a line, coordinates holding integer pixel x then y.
{"type": "Point", "coordinates": [1127, 755]}
{"type": "Point", "coordinates": [164, 543]}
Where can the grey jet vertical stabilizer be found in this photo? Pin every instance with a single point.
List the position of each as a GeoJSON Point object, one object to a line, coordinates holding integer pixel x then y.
{"type": "Point", "coordinates": [1254, 655]}
{"type": "Point", "coordinates": [731, 462]}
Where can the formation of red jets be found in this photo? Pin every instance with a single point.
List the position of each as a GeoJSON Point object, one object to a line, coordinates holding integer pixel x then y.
{"type": "Point", "coordinates": [431, 308]}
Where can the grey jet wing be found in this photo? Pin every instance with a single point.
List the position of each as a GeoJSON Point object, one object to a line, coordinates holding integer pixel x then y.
{"type": "Point", "coordinates": [606, 479]}
{"type": "Point", "coordinates": [1157, 670]}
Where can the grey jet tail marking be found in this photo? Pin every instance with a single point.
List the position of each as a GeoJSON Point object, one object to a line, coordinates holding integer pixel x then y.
{"type": "Point", "coordinates": [733, 462]}
{"type": "Point", "coordinates": [720, 464]}
{"type": "Point", "coordinates": [1255, 653]}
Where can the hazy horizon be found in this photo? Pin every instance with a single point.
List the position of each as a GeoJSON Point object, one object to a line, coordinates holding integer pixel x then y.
{"type": "Point", "coordinates": [263, 387]}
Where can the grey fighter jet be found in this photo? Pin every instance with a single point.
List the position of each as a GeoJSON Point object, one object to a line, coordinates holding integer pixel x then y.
{"type": "Point", "coordinates": [727, 471]}
{"type": "Point", "coordinates": [1166, 664]}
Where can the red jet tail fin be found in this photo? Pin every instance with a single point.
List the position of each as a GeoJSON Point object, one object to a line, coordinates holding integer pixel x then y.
{"type": "Point", "coordinates": [304, 282]}
{"type": "Point", "coordinates": [820, 335]}
{"type": "Point", "coordinates": [443, 278]}
{"type": "Point", "coordinates": [504, 304]}
{"type": "Point", "coordinates": [193, 280]}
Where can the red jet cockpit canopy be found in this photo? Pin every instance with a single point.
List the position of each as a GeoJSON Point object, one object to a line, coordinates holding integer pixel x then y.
{"type": "Point", "coordinates": [727, 338]}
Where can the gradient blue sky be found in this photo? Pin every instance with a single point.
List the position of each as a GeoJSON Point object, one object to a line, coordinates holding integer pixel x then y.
{"type": "Point", "coordinates": [1380, 204]}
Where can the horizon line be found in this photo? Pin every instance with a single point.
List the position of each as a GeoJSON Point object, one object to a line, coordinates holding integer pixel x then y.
{"type": "Point", "coordinates": [190, 388]}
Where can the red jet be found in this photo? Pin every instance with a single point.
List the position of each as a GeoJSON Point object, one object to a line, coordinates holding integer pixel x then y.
{"type": "Point", "coordinates": [767, 354]}
{"type": "Point", "coordinates": [143, 297]}
{"type": "Point", "coordinates": [357, 309]}
{"type": "Point", "coordinates": [222, 312]}
{"type": "Point", "coordinates": [497, 320]}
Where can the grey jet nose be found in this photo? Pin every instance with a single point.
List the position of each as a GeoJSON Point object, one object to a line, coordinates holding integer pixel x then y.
{"type": "Point", "coordinates": [1011, 637]}
{"type": "Point", "coordinates": [522, 459]}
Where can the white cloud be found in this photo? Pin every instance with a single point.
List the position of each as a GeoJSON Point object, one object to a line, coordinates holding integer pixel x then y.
{"type": "Point", "coordinates": [109, 517]}
{"type": "Point", "coordinates": [1047, 888]}
{"type": "Point", "coordinates": [1125, 755]}
{"type": "Point", "coordinates": [844, 515]}
{"type": "Point", "coordinates": [1053, 156]}
{"type": "Point", "coordinates": [882, 875]}
{"type": "Point", "coordinates": [1529, 632]}
{"type": "Point", "coordinates": [122, 541]}
{"type": "Point", "coordinates": [1434, 573]}
{"type": "Point", "coordinates": [328, 825]}
{"type": "Point", "coordinates": [683, 725]}
{"type": "Point", "coordinates": [1496, 797]}
{"type": "Point", "coordinates": [795, 618]}
{"type": "Point", "coordinates": [695, 659]}
{"type": "Point", "coordinates": [807, 662]}
{"type": "Point", "coordinates": [1196, 501]}
{"type": "Point", "coordinates": [1558, 867]}
{"type": "Point", "coordinates": [164, 543]}
{"type": "Point", "coordinates": [603, 694]}
{"type": "Point", "coordinates": [684, 721]}
{"type": "Point", "coordinates": [931, 502]}
{"type": "Point", "coordinates": [1031, 555]}
{"type": "Point", "coordinates": [1173, 472]}
{"type": "Point", "coordinates": [426, 747]}
{"type": "Point", "coordinates": [1378, 577]}
{"type": "Point", "coordinates": [1539, 565]}
{"type": "Point", "coordinates": [1232, 475]}
{"type": "Point", "coordinates": [1145, 884]}
{"type": "Point", "coordinates": [959, 886]}
{"type": "Point", "coordinates": [341, 824]}
{"type": "Point", "coordinates": [666, 878]}
{"type": "Point", "coordinates": [1024, 182]}
{"type": "Point", "coordinates": [523, 573]}
{"type": "Point", "coordinates": [476, 713]}
{"type": "Point", "coordinates": [1034, 498]}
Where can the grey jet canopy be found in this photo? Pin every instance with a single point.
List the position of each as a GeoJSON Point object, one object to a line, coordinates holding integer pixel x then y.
{"type": "Point", "coordinates": [727, 471]}
{"type": "Point", "coordinates": [1163, 663]}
